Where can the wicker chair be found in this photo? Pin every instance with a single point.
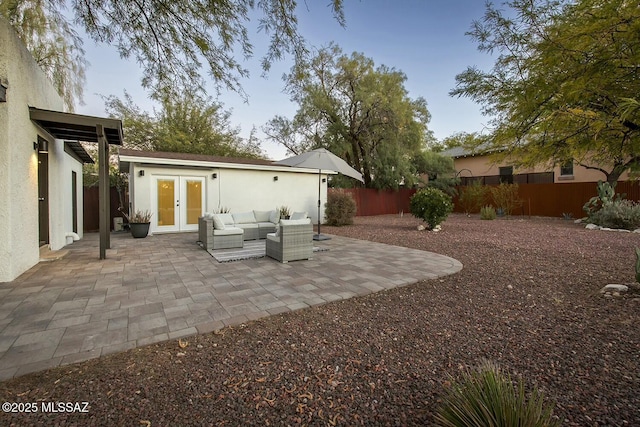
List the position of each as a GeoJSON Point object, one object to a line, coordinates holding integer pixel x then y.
{"type": "Point", "coordinates": [219, 239]}
{"type": "Point", "coordinates": [293, 241]}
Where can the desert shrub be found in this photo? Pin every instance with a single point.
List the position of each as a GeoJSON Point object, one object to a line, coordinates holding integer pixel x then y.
{"type": "Point", "coordinates": [622, 213]}
{"type": "Point", "coordinates": [487, 397]}
{"type": "Point", "coordinates": [505, 197]}
{"type": "Point", "coordinates": [473, 197]}
{"type": "Point", "coordinates": [488, 212]}
{"type": "Point", "coordinates": [606, 196]}
{"type": "Point", "coordinates": [340, 208]}
{"type": "Point", "coordinates": [431, 205]}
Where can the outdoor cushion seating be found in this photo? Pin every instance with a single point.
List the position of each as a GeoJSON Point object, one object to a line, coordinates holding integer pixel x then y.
{"type": "Point", "coordinates": [215, 229]}
{"type": "Point", "coordinates": [221, 238]}
{"type": "Point", "coordinates": [293, 241]}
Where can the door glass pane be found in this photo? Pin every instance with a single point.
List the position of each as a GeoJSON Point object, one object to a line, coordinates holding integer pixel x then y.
{"type": "Point", "coordinates": [194, 201]}
{"type": "Point", "coordinates": [166, 206]}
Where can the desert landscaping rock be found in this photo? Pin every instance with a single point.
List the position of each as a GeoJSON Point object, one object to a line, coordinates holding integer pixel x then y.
{"type": "Point", "coordinates": [386, 359]}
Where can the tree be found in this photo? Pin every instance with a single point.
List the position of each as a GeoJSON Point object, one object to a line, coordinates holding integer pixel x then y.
{"type": "Point", "coordinates": [439, 170]}
{"type": "Point", "coordinates": [561, 85]}
{"type": "Point", "coordinates": [170, 39]}
{"type": "Point", "coordinates": [359, 112]}
{"type": "Point", "coordinates": [188, 125]}
{"type": "Point", "coordinates": [52, 41]}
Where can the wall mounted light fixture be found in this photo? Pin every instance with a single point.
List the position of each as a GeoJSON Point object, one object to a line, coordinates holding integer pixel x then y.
{"type": "Point", "coordinates": [42, 146]}
{"type": "Point", "coordinates": [324, 179]}
{"type": "Point", "coordinates": [214, 175]}
{"type": "Point", "coordinates": [3, 93]}
{"type": "Point", "coordinates": [141, 173]}
{"type": "Point", "coordinates": [275, 178]}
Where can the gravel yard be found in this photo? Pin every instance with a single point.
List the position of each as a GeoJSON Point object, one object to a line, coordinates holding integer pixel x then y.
{"type": "Point", "coordinates": [528, 298]}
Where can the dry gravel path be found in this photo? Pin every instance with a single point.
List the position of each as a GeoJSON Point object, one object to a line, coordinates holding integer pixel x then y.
{"type": "Point", "coordinates": [528, 298]}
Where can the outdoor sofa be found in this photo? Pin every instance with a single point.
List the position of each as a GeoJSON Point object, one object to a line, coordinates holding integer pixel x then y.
{"type": "Point", "coordinates": [230, 230]}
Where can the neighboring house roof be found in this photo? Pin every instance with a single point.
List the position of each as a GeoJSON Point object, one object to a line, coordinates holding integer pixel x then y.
{"type": "Point", "coordinates": [127, 156]}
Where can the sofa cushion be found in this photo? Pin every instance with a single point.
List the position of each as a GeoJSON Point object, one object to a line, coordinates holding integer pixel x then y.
{"type": "Point", "coordinates": [295, 221]}
{"type": "Point", "coordinates": [298, 215]}
{"type": "Point", "coordinates": [274, 217]}
{"type": "Point", "coordinates": [262, 216]}
{"type": "Point", "coordinates": [226, 218]}
{"type": "Point", "coordinates": [244, 218]}
{"type": "Point", "coordinates": [218, 224]}
{"type": "Point", "coordinates": [229, 231]}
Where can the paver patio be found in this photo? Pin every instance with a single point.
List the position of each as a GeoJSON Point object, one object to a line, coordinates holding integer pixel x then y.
{"type": "Point", "coordinates": [166, 287]}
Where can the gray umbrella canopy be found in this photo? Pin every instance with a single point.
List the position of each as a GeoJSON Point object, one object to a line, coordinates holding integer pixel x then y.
{"type": "Point", "coordinates": [321, 159]}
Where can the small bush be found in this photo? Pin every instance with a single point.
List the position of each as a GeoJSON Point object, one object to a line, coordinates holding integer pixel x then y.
{"type": "Point", "coordinates": [505, 197]}
{"type": "Point", "coordinates": [340, 208]}
{"type": "Point", "coordinates": [487, 212]}
{"type": "Point", "coordinates": [431, 205]}
{"type": "Point", "coordinates": [487, 397]}
{"type": "Point", "coordinates": [473, 197]}
{"type": "Point", "coordinates": [622, 213]}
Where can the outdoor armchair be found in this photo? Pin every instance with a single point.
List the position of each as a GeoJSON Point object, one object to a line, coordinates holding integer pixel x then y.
{"type": "Point", "coordinates": [293, 241]}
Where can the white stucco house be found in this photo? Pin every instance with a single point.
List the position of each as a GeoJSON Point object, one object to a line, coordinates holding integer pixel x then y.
{"type": "Point", "coordinates": [178, 188]}
{"type": "Point", "coordinates": [40, 160]}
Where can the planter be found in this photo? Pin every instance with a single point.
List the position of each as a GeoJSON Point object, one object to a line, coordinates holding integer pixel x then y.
{"type": "Point", "coordinates": [139, 229]}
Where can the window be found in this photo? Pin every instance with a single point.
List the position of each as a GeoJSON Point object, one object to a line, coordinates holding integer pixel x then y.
{"type": "Point", "coordinates": [566, 169]}
{"type": "Point", "coordinates": [506, 174]}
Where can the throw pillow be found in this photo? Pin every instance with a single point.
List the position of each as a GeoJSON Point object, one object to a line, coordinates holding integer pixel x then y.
{"type": "Point", "coordinates": [298, 215]}
{"type": "Point", "coordinates": [274, 217]}
{"type": "Point", "coordinates": [218, 224]}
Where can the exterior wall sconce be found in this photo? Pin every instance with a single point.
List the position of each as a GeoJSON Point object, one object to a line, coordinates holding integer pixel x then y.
{"type": "Point", "coordinates": [42, 146]}
{"type": "Point", "coordinates": [214, 175]}
{"type": "Point", "coordinates": [3, 92]}
{"type": "Point", "coordinates": [141, 173]}
{"type": "Point", "coordinates": [324, 179]}
{"type": "Point", "coordinates": [275, 178]}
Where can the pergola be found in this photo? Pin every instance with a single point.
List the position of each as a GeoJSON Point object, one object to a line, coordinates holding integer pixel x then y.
{"type": "Point", "coordinates": [104, 131]}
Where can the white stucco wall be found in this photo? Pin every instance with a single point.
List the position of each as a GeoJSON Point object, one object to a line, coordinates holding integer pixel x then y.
{"type": "Point", "coordinates": [27, 86]}
{"type": "Point", "coordinates": [61, 205]}
{"type": "Point", "coordinates": [238, 190]}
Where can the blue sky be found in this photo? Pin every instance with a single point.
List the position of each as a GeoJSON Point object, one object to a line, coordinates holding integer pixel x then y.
{"type": "Point", "coordinates": [425, 39]}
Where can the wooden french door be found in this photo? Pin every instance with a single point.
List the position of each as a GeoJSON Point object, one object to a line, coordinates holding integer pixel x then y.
{"type": "Point", "coordinates": [178, 202]}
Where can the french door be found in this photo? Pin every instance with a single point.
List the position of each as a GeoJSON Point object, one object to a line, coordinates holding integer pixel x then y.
{"type": "Point", "coordinates": [178, 202]}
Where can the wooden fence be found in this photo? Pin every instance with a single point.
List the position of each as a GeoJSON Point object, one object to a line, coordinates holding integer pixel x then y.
{"type": "Point", "coordinates": [91, 208]}
{"type": "Point", "coordinates": [380, 202]}
{"type": "Point", "coordinates": [537, 199]}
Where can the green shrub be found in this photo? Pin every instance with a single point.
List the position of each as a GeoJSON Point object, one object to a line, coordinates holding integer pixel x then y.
{"type": "Point", "coordinates": [473, 197]}
{"type": "Point", "coordinates": [431, 205]}
{"type": "Point", "coordinates": [487, 212]}
{"type": "Point", "coordinates": [340, 208]}
{"type": "Point", "coordinates": [487, 397]}
{"type": "Point", "coordinates": [505, 197]}
{"type": "Point", "coordinates": [622, 213]}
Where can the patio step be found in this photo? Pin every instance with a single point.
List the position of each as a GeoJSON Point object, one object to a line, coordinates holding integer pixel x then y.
{"type": "Point", "coordinates": [47, 255]}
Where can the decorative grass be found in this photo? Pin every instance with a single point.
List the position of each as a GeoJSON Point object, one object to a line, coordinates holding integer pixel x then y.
{"type": "Point", "coordinates": [488, 398]}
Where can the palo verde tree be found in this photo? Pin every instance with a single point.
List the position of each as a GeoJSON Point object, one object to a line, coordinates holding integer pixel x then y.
{"type": "Point", "coordinates": [189, 124]}
{"type": "Point", "coordinates": [563, 84]}
{"type": "Point", "coordinates": [173, 41]}
{"type": "Point", "coordinates": [358, 111]}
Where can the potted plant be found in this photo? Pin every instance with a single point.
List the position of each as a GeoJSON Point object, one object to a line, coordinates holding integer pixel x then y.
{"type": "Point", "coordinates": [285, 212]}
{"type": "Point", "coordinates": [139, 223]}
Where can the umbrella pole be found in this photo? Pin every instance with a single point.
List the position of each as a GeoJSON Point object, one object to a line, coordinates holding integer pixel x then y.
{"type": "Point", "coordinates": [320, 236]}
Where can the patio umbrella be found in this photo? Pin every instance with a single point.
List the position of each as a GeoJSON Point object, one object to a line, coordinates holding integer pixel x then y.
{"type": "Point", "coordinates": [321, 159]}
